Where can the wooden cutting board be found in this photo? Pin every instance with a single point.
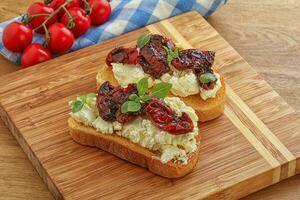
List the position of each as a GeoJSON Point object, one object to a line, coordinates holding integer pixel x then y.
{"type": "Point", "coordinates": [256, 143]}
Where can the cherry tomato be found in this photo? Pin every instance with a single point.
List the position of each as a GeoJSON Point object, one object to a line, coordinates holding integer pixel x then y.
{"type": "Point", "coordinates": [61, 38]}
{"type": "Point", "coordinates": [16, 37]}
{"type": "Point", "coordinates": [82, 22]}
{"type": "Point", "coordinates": [40, 8]}
{"type": "Point", "coordinates": [101, 11]}
{"type": "Point", "coordinates": [34, 54]}
{"type": "Point", "coordinates": [81, 4]}
{"type": "Point", "coordinates": [55, 4]}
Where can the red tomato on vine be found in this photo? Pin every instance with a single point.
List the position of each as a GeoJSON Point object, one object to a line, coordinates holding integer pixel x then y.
{"type": "Point", "coordinates": [17, 36]}
{"type": "Point", "coordinates": [80, 22]}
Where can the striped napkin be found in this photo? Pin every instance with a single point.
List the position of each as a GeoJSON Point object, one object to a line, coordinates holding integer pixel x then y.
{"type": "Point", "coordinates": [127, 15]}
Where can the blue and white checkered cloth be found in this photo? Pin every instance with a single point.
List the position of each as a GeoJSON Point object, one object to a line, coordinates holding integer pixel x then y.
{"type": "Point", "coordinates": [127, 15]}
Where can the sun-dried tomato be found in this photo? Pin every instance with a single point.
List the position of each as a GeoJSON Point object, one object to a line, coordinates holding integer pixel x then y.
{"type": "Point", "coordinates": [126, 117]}
{"type": "Point", "coordinates": [123, 55]}
{"type": "Point", "coordinates": [194, 58]}
{"type": "Point", "coordinates": [208, 86]}
{"type": "Point", "coordinates": [110, 100]}
{"type": "Point", "coordinates": [106, 105]}
{"type": "Point", "coordinates": [153, 56]}
{"type": "Point", "coordinates": [200, 61]}
{"type": "Point", "coordinates": [163, 117]}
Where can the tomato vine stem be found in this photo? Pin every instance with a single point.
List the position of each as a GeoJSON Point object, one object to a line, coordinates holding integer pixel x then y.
{"type": "Point", "coordinates": [47, 36]}
{"type": "Point", "coordinates": [87, 7]}
{"type": "Point", "coordinates": [43, 25]}
{"type": "Point", "coordinates": [52, 14]}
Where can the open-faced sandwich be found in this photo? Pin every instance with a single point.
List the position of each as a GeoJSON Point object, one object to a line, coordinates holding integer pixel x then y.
{"type": "Point", "coordinates": [190, 72]}
{"type": "Point", "coordinates": [145, 128]}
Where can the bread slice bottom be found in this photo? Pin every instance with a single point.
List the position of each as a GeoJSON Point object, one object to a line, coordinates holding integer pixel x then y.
{"type": "Point", "coordinates": [206, 109]}
{"type": "Point", "coordinates": [127, 150]}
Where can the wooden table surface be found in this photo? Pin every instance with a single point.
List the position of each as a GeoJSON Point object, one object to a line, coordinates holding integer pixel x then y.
{"type": "Point", "coordinates": [265, 32]}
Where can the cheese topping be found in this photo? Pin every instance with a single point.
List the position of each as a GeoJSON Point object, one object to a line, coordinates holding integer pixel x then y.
{"type": "Point", "coordinates": [126, 74]}
{"type": "Point", "coordinates": [183, 84]}
{"type": "Point", "coordinates": [88, 113]}
{"type": "Point", "coordinates": [205, 94]}
{"type": "Point", "coordinates": [142, 132]}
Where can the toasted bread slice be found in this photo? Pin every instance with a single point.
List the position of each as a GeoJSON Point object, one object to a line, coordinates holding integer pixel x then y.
{"type": "Point", "coordinates": [206, 109]}
{"type": "Point", "coordinates": [127, 150]}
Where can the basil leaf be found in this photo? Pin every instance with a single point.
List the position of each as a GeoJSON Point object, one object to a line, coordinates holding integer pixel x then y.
{"type": "Point", "coordinates": [142, 86]}
{"type": "Point", "coordinates": [145, 98]}
{"type": "Point", "coordinates": [161, 89]}
{"type": "Point", "coordinates": [76, 106]}
{"type": "Point", "coordinates": [82, 99]}
{"type": "Point", "coordinates": [172, 53]}
{"type": "Point", "coordinates": [130, 106]}
{"type": "Point", "coordinates": [207, 78]}
{"type": "Point", "coordinates": [134, 97]}
{"type": "Point", "coordinates": [143, 40]}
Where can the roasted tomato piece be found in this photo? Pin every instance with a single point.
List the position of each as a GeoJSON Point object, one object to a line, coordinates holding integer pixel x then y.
{"type": "Point", "coordinates": [105, 88]}
{"type": "Point", "coordinates": [200, 61]}
{"type": "Point", "coordinates": [208, 86]}
{"type": "Point", "coordinates": [110, 100]}
{"type": "Point", "coordinates": [204, 61]}
{"type": "Point", "coordinates": [126, 117]}
{"type": "Point", "coordinates": [194, 58]}
{"type": "Point", "coordinates": [123, 55]}
{"type": "Point", "coordinates": [131, 89]}
{"type": "Point", "coordinates": [153, 56]}
{"type": "Point", "coordinates": [159, 40]}
{"type": "Point", "coordinates": [107, 107]}
{"type": "Point", "coordinates": [163, 117]}
{"type": "Point", "coordinates": [120, 95]}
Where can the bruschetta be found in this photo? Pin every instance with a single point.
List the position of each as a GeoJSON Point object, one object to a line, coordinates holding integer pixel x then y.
{"type": "Point", "coordinates": [138, 125]}
{"type": "Point", "coordinates": [156, 57]}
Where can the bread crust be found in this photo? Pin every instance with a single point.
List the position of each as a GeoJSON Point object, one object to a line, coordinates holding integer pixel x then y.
{"type": "Point", "coordinates": [206, 109]}
{"type": "Point", "coordinates": [127, 150]}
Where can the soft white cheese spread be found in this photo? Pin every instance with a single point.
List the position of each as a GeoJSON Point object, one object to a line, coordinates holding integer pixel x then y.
{"type": "Point", "coordinates": [142, 132]}
{"type": "Point", "coordinates": [88, 113]}
{"type": "Point", "coordinates": [206, 94]}
{"type": "Point", "coordinates": [126, 74]}
{"type": "Point", "coordinates": [183, 84]}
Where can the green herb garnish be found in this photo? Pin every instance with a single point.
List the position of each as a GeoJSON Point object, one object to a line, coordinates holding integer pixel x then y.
{"type": "Point", "coordinates": [130, 106]}
{"type": "Point", "coordinates": [145, 98]}
{"type": "Point", "coordinates": [172, 53]}
{"type": "Point", "coordinates": [143, 40]}
{"type": "Point", "coordinates": [207, 77]}
{"type": "Point", "coordinates": [135, 102]}
{"type": "Point", "coordinates": [161, 89]}
{"type": "Point", "coordinates": [78, 104]}
{"type": "Point", "coordinates": [134, 97]}
{"type": "Point", "coordinates": [142, 86]}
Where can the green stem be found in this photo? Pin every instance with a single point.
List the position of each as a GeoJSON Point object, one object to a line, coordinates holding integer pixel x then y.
{"type": "Point", "coordinates": [29, 18]}
{"type": "Point", "coordinates": [47, 36]}
{"type": "Point", "coordinates": [70, 24]}
{"type": "Point", "coordinates": [87, 7]}
{"type": "Point", "coordinates": [47, 2]}
{"type": "Point", "coordinates": [52, 14]}
{"type": "Point", "coordinates": [68, 13]}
